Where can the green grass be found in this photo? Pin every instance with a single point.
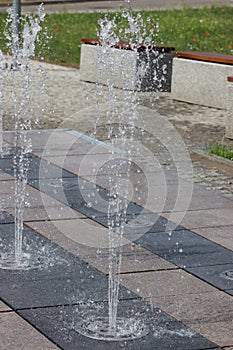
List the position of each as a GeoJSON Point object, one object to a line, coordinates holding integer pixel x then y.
{"type": "Point", "coordinates": [205, 29]}
{"type": "Point", "coordinates": [222, 151]}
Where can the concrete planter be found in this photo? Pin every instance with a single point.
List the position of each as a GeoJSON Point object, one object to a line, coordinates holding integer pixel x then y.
{"type": "Point", "coordinates": [229, 119]}
{"type": "Point", "coordinates": [199, 82]}
{"type": "Point", "coordinates": [125, 67]}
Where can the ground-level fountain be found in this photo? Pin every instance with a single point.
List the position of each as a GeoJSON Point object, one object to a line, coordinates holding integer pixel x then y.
{"type": "Point", "coordinates": [83, 306]}
{"type": "Point", "coordinates": [22, 35]}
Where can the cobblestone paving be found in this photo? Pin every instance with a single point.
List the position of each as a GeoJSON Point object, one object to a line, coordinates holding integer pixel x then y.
{"type": "Point", "coordinates": [71, 103]}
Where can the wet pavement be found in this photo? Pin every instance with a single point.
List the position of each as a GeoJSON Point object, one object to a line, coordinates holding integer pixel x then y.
{"type": "Point", "coordinates": [177, 260]}
{"type": "Point", "coordinates": [177, 251]}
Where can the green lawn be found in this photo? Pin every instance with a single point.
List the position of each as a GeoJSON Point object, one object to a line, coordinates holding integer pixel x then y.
{"type": "Point", "coordinates": [205, 29]}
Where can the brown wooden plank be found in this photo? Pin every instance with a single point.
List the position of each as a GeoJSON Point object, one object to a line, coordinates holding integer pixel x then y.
{"type": "Point", "coordinates": [122, 44]}
{"type": "Point", "coordinates": [206, 56]}
{"type": "Point", "coordinates": [91, 41]}
{"type": "Point", "coordinates": [230, 79]}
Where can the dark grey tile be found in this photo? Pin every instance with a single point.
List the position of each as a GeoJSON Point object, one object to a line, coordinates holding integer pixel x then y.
{"type": "Point", "coordinates": [229, 291]}
{"type": "Point", "coordinates": [87, 198]}
{"type": "Point", "coordinates": [185, 248]}
{"type": "Point", "coordinates": [38, 168]}
{"type": "Point", "coordinates": [6, 164]}
{"type": "Point", "coordinates": [164, 332]}
{"type": "Point", "coordinates": [151, 224]}
{"type": "Point", "coordinates": [41, 169]}
{"type": "Point", "coordinates": [60, 279]}
{"type": "Point", "coordinates": [34, 244]}
{"type": "Point", "coordinates": [215, 275]}
{"type": "Point", "coordinates": [58, 290]}
{"type": "Point", "coordinates": [72, 187]}
{"type": "Point", "coordinates": [8, 151]}
{"type": "Point", "coordinates": [6, 218]}
{"type": "Point", "coordinates": [93, 201]}
{"type": "Point", "coordinates": [41, 293]}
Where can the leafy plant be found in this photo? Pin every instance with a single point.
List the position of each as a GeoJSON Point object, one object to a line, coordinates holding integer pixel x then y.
{"type": "Point", "coordinates": [221, 150]}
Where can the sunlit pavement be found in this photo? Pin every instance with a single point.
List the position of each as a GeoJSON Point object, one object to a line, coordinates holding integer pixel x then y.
{"type": "Point", "coordinates": [176, 273]}
{"type": "Point", "coordinates": [186, 273]}
{"type": "Point", "coordinates": [114, 5]}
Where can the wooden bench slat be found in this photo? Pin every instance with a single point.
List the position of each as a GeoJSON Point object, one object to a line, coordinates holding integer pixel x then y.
{"type": "Point", "coordinates": [206, 56]}
{"type": "Point", "coordinates": [122, 44]}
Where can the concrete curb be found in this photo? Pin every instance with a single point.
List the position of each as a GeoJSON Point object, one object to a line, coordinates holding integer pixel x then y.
{"type": "Point", "coordinates": [213, 157]}
{"type": "Point", "coordinates": [48, 2]}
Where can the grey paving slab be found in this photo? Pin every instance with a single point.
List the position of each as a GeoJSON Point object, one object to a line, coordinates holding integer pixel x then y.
{"type": "Point", "coordinates": [164, 283]}
{"type": "Point", "coordinates": [165, 195]}
{"type": "Point", "coordinates": [202, 198]}
{"type": "Point", "coordinates": [56, 212]}
{"type": "Point", "coordinates": [7, 150]}
{"type": "Point", "coordinates": [17, 334]}
{"type": "Point", "coordinates": [61, 280]}
{"type": "Point", "coordinates": [215, 275]}
{"type": "Point", "coordinates": [43, 207]}
{"type": "Point", "coordinates": [35, 288]}
{"type": "Point", "coordinates": [74, 149]}
{"type": "Point", "coordinates": [92, 164]}
{"type": "Point", "coordinates": [39, 206]}
{"type": "Point", "coordinates": [54, 291]}
{"type": "Point", "coordinates": [85, 197]}
{"type": "Point", "coordinates": [93, 201]}
{"type": "Point", "coordinates": [221, 235]}
{"type": "Point", "coordinates": [208, 218]}
{"type": "Point", "coordinates": [209, 313]}
{"type": "Point", "coordinates": [7, 187]}
{"type": "Point", "coordinates": [6, 218]}
{"type": "Point", "coordinates": [58, 290]}
{"type": "Point", "coordinates": [185, 249]}
{"type": "Point", "coordinates": [6, 165]}
{"type": "Point", "coordinates": [138, 179]}
{"type": "Point", "coordinates": [219, 332]}
{"type": "Point", "coordinates": [46, 138]}
{"type": "Point", "coordinates": [4, 176]}
{"type": "Point", "coordinates": [230, 291]}
{"type": "Point", "coordinates": [73, 193]}
{"type": "Point", "coordinates": [164, 332]}
{"type": "Point", "coordinates": [134, 259]}
{"type": "Point", "coordinates": [81, 237]}
{"type": "Point", "coordinates": [49, 288]}
{"type": "Point", "coordinates": [4, 307]}
{"type": "Point", "coordinates": [39, 168]}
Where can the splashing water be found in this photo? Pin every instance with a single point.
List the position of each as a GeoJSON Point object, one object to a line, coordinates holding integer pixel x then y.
{"type": "Point", "coordinates": [114, 327]}
{"type": "Point", "coordinates": [22, 47]}
{"type": "Point", "coordinates": [135, 34]}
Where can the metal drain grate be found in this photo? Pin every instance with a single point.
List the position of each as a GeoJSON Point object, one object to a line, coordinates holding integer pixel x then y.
{"type": "Point", "coordinates": [227, 274]}
{"type": "Point", "coordinates": [126, 329]}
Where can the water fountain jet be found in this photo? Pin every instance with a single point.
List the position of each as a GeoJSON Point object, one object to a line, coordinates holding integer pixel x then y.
{"type": "Point", "coordinates": [113, 327]}
{"type": "Point", "coordinates": [22, 46]}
